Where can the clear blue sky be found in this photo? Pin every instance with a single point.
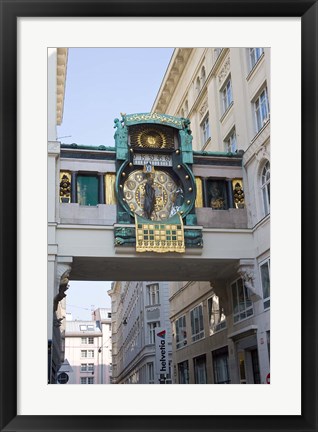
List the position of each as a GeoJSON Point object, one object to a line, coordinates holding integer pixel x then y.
{"type": "Point", "coordinates": [101, 83]}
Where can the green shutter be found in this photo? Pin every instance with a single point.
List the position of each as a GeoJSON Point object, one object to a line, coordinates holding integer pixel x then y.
{"type": "Point", "coordinates": [87, 190]}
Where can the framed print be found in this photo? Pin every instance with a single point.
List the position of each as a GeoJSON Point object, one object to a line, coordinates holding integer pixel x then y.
{"type": "Point", "coordinates": [155, 178]}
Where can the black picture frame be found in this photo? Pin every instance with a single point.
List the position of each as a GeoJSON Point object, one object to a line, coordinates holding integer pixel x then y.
{"type": "Point", "coordinates": [10, 11]}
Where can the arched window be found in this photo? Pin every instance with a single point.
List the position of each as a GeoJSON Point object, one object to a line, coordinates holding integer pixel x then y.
{"type": "Point", "coordinates": [186, 109]}
{"type": "Point", "coordinates": [265, 186]}
{"type": "Point", "coordinates": [198, 86]}
{"type": "Point", "coordinates": [203, 74]}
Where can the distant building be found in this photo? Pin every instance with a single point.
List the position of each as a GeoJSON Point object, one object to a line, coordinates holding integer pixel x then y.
{"type": "Point", "coordinates": [88, 349]}
{"type": "Point", "coordinates": [142, 311]}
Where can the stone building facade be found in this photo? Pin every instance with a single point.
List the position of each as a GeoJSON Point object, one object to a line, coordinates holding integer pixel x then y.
{"type": "Point", "coordinates": [221, 327]}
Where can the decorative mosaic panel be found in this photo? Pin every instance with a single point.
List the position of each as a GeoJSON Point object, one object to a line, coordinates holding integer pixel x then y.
{"type": "Point", "coordinates": [158, 236]}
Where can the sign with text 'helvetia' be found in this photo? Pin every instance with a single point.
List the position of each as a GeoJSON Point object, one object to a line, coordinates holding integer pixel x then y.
{"type": "Point", "coordinates": [162, 363]}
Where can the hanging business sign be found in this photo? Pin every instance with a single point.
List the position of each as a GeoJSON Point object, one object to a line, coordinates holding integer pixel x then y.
{"type": "Point", "coordinates": [162, 363]}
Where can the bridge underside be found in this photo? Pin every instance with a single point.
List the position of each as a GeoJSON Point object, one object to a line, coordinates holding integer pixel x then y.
{"type": "Point", "coordinates": [151, 268]}
{"type": "Point", "coordinates": [92, 256]}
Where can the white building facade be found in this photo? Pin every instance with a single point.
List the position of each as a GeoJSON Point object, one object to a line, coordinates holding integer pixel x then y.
{"type": "Point", "coordinates": [88, 349]}
{"type": "Point", "coordinates": [141, 312]}
{"type": "Point", "coordinates": [221, 327]}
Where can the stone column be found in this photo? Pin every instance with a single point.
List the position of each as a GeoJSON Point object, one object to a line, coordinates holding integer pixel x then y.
{"type": "Point", "coordinates": [230, 199]}
{"type": "Point", "coordinates": [101, 189]}
{"type": "Point", "coordinates": [74, 187]}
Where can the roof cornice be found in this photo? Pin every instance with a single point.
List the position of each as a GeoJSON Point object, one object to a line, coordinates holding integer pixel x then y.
{"type": "Point", "coordinates": [61, 67]}
{"type": "Point", "coordinates": [174, 71]}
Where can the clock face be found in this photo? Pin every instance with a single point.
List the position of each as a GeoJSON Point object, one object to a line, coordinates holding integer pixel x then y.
{"type": "Point", "coordinates": [166, 192]}
{"type": "Point", "coordinates": [151, 137]}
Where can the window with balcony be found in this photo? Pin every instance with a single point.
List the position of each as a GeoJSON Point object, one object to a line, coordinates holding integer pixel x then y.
{"type": "Point", "coordinates": [261, 109]}
{"type": "Point", "coordinates": [265, 187]}
{"type": "Point", "coordinates": [265, 281]}
{"type": "Point", "coordinates": [226, 94]}
{"type": "Point", "coordinates": [205, 129]}
{"type": "Point", "coordinates": [181, 332]}
{"type": "Point", "coordinates": [197, 327]}
{"type": "Point", "coordinates": [254, 55]}
{"type": "Point", "coordinates": [242, 304]}
{"type": "Point", "coordinates": [230, 142]}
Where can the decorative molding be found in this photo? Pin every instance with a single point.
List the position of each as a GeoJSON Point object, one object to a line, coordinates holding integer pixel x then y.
{"type": "Point", "coordinates": [62, 277]}
{"type": "Point", "coordinates": [224, 71]}
{"type": "Point", "coordinates": [203, 109]}
{"type": "Point", "coordinates": [246, 272]}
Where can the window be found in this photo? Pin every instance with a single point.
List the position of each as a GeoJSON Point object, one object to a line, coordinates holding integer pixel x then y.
{"type": "Point", "coordinates": [203, 75]}
{"type": "Point", "coordinates": [83, 327]}
{"type": "Point", "coordinates": [242, 304]}
{"type": "Point", "coordinates": [150, 373]}
{"type": "Point", "coordinates": [87, 190]}
{"type": "Point", "coordinates": [230, 143]}
{"type": "Point", "coordinates": [183, 372]}
{"type": "Point", "coordinates": [265, 185]}
{"type": "Point", "coordinates": [90, 328]}
{"type": "Point", "coordinates": [85, 340]}
{"type": "Point", "coordinates": [181, 332]}
{"type": "Point", "coordinates": [87, 353]}
{"type": "Point", "coordinates": [109, 314]}
{"type": "Point", "coordinates": [153, 294]}
{"type": "Point", "coordinates": [90, 367]}
{"type": "Point", "coordinates": [197, 86]}
{"type": "Point", "coordinates": [261, 108]}
{"type": "Point", "coordinates": [255, 54]}
{"type": "Point", "coordinates": [217, 319]}
{"type": "Point", "coordinates": [226, 93]}
{"type": "Point", "coordinates": [221, 366]}
{"type": "Point", "coordinates": [152, 331]}
{"type": "Point", "coordinates": [265, 280]}
{"type": "Point", "coordinates": [186, 108]}
{"type": "Point", "coordinates": [87, 380]}
{"type": "Point", "coordinates": [199, 370]}
{"type": "Point", "coordinates": [197, 327]}
{"type": "Point", "coordinates": [205, 130]}
{"type": "Point", "coordinates": [84, 367]}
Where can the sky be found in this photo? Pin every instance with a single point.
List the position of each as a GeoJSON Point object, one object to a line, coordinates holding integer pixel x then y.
{"type": "Point", "coordinates": [100, 84]}
{"type": "Point", "coordinates": [103, 82]}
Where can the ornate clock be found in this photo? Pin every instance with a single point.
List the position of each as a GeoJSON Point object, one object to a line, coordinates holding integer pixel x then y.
{"type": "Point", "coordinates": [154, 182]}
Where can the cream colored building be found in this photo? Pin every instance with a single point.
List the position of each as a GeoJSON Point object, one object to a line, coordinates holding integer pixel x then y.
{"type": "Point", "coordinates": [221, 327]}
